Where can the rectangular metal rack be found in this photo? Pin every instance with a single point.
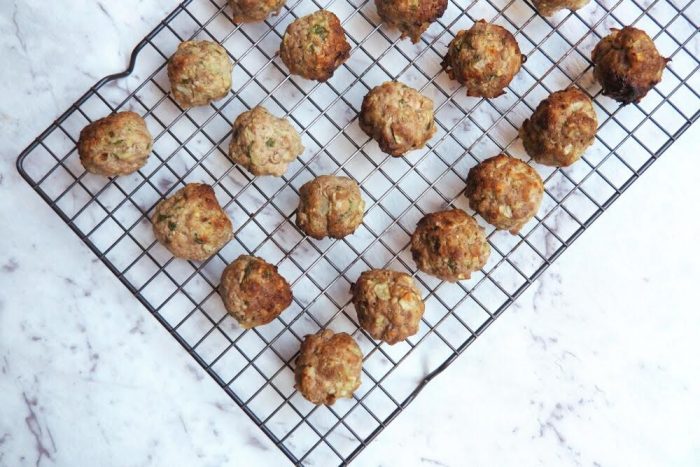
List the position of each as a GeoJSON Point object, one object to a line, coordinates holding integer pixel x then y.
{"type": "Point", "coordinates": [255, 367]}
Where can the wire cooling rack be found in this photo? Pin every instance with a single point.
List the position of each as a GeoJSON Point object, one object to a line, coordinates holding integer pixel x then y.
{"type": "Point", "coordinates": [255, 367]}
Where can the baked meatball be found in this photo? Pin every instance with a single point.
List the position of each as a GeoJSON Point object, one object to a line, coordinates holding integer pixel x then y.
{"type": "Point", "coordinates": [118, 144]}
{"type": "Point", "coordinates": [252, 11]}
{"type": "Point", "coordinates": [484, 58]}
{"type": "Point", "coordinates": [550, 7]}
{"type": "Point", "coordinates": [330, 206]}
{"type": "Point", "coordinates": [411, 17]}
{"type": "Point", "coordinates": [398, 117]}
{"type": "Point", "coordinates": [191, 224]}
{"type": "Point", "coordinates": [328, 367]}
{"type": "Point", "coordinates": [263, 143]}
{"type": "Point", "coordinates": [561, 128]}
{"type": "Point", "coordinates": [449, 245]}
{"type": "Point", "coordinates": [253, 291]}
{"type": "Point", "coordinates": [388, 304]}
{"type": "Point", "coordinates": [314, 46]}
{"type": "Point", "coordinates": [627, 64]}
{"type": "Point", "coordinates": [505, 191]}
{"type": "Point", "coordinates": [200, 73]}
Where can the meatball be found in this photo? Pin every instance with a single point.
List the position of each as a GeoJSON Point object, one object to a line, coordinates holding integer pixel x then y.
{"type": "Point", "coordinates": [328, 367]}
{"type": "Point", "coordinates": [550, 7]}
{"type": "Point", "coordinates": [505, 191]}
{"type": "Point", "coordinates": [627, 64]}
{"type": "Point", "coordinates": [411, 17]}
{"type": "Point", "coordinates": [388, 304]}
{"type": "Point", "coordinates": [398, 117]}
{"type": "Point", "coordinates": [200, 73]}
{"type": "Point", "coordinates": [484, 58]}
{"type": "Point", "coordinates": [118, 144]}
{"type": "Point", "coordinates": [314, 46]}
{"type": "Point", "coordinates": [330, 206]}
{"type": "Point", "coordinates": [253, 291]}
{"type": "Point", "coordinates": [191, 224]}
{"type": "Point", "coordinates": [561, 128]}
{"type": "Point", "coordinates": [449, 245]}
{"type": "Point", "coordinates": [263, 143]}
{"type": "Point", "coordinates": [252, 11]}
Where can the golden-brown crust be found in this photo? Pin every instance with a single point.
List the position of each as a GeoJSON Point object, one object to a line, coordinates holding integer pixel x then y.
{"type": "Point", "coordinates": [199, 73]}
{"type": "Point", "coordinates": [627, 64]}
{"type": "Point", "coordinates": [253, 291]}
{"type": "Point", "coordinates": [314, 46]}
{"type": "Point", "coordinates": [330, 206]}
{"type": "Point", "coordinates": [191, 224]}
{"type": "Point", "coordinates": [118, 144]}
{"type": "Point", "coordinates": [398, 117]}
{"type": "Point", "coordinates": [388, 304]}
{"type": "Point", "coordinates": [411, 17]}
{"type": "Point", "coordinates": [328, 367]}
{"type": "Point", "coordinates": [484, 58]}
{"type": "Point", "coordinates": [263, 143]}
{"type": "Point", "coordinates": [449, 245]}
{"type": "Point", "coordinates": [505, 191]}
{"type": "Point", "coordinates": [550, 7]}
{"type": "Point", "coordinates": [560, 130]}
{"type": "Point", "coordinates": [253, 11]}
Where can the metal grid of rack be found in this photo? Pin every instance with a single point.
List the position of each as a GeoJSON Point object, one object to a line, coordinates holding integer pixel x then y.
{"type": "Point", "coordinates": [255, 367]}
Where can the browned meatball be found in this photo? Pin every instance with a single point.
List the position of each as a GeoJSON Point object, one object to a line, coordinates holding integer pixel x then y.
{"type": "Point", "coordinates": [253, 291]}
{"type": "Point", "coordinates": [484, 58]}
{"type": "Point", "coordinates": [398, 117]}
{"type": "Point", "coordinates": [191, 224]}
{"type": "Point", "coordinates": [328, 367]}
{"type": "Point", "coordinates": [330, 206]}
{"type": "Point", "coordinates": [388, 304]}
{"type": "Point", "coordinates": [263, 143]}
{"type": "Point", "coordinates": [561, 128]}
{"type": "Point", "coordinates": [550, 7]}
{"type": "Point", "coordinates": [118, 144]}
{"type": "Point", "coordinates": [252, 11]}
{"type": "Point", "coordinates": [627, 64]}
{"type": "Point", "coordinates": [411, 17]}
{"type": "Point", "coordinates": [199, 73]}
{"type": "Point", "coordinates": [505, 191]}
{"type": "Point", "coordinates": [314, 46]}
{"type": "Point", "coordinates": [449, 245]}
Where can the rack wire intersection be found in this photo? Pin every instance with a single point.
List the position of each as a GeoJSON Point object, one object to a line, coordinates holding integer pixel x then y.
{"type": "Point", "coordinates": [255, 367]}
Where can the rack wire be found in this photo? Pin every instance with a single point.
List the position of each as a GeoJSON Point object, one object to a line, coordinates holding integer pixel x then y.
{"type": "Point", "coordinates": [255, 367]}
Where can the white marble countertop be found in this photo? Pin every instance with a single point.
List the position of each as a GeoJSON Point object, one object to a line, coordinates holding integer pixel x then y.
{"type": "Point", "coordinates": [595, 365]}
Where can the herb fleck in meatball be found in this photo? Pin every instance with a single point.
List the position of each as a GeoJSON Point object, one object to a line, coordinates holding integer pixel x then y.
{"type": "Point", "coordinates": [627, 64]}
{"type": "Point", "coordinates": [191, 224]}
{"type": "Point", "coordinates": [388, 304]}
{"type": "Point", "coordinates": [330, 206]}
{"type": "Point", "coordinates": [328, 367]}
{"type": "Point", "coordinates": [253, 291]}
{"type": "Point", "coordinates": [484, 58]}
{"type": "Point", "coordinates": [314, 46]}
{"type": "Point", "coordinates": [398, 117]}
{"type": "Point", "coordinates": [505, 191]}
{"type": "Point", "coordinates": [449, 245]}
{"type": "Point", "coordinates": [118, 144]}
{"type": "Point", "coordinates": [252, 11]}
{"type": "Point", "coordinates": [411, 17]}
{"type": "Point", "coordinates": [263, 143]}
{"type": "Point", "coordinates": [200, 73]}
{"type": "Point", "coordinates": [561, 128]}
{"type": "Point", "coordinates": [550, 7]}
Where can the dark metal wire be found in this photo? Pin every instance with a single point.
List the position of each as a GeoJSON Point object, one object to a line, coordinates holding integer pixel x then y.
{"type": "Point", "coordinates": [341, 431]}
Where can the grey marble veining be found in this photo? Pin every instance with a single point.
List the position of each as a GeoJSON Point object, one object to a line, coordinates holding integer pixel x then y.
{"type": "Point", "coordinates": [594, 365]}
